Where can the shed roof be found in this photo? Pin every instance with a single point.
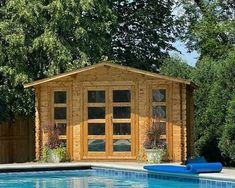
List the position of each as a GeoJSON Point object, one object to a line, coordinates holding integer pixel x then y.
{"type": "Point", "coordinates": [103, 64]}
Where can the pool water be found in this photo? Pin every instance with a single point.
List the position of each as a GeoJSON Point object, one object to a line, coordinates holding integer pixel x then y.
{"type": "Point", "coordinates": [99, 178]}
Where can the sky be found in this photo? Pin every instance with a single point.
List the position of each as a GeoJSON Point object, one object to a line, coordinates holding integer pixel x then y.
{"type": "Point", "coordinates": [190, 58]}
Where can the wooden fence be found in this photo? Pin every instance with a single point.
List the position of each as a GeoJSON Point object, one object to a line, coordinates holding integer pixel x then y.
{"type": "Point", "coordinates": [17, 141]}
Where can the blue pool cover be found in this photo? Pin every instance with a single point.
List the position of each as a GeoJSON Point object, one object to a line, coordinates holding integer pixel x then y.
{"type": "Point", "coordinates": [192, 168]}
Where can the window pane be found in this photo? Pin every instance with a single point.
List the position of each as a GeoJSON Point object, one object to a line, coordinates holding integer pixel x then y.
{"type": "Point", "coordinates": [121, 145]}
{"type": "Point", "coordinates": [63, 143]}
{"type": "Point", "coordinates": [163, 127]}
{"type": "Point", "coordinates": [96, 112]}
{"type": "Point", "coordinates": [159, 95]}
{"type": "Point", "coordinates": [121, 112]}
{"type": "Point", "coordinates": [121, 96]}
{"type": "Point", "coordinates": [61, 128]}
{"type": "Point", "coordinates": [60, 113]}
{"type": "Point", "coordinates": [162, 143]}
{"type": "Point", "coordinates": [121, 128]}
{"type": "Point", "coordinates": [96, 145]}
{"type": "Point", "coordinates": [96, 129]}
{"type": "Point", "coordinates": [159, 111]}
{"type": "Point", "coordinates": [96, 96]}
{"type": "Point", "coordinates": [60, 97]}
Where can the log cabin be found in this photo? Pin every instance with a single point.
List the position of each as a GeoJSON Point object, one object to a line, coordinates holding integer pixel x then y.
{"type": "Point", "coordinates": [102, 112]}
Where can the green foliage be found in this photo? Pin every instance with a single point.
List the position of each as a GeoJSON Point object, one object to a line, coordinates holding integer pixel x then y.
{"type": "Point", "coordinates": [216, 88]}
{"type": "Point", "coordinates": [144, 33]}
{"type": "Point", "coordinates": [207, 26]}
{"type": "Point", "coordinates": [13, 98]}
{"type": "Point", "coordinates": [227, 141]}
{"type": "Point", "coordinates": [41, 38]}
{"type": "Point", "coordinates": [203, 77]}
{"type": "Point", "coordinates": [60, 152]}
{"type": "Point", "coordinates": [45, 154]}
{"type": "Point", "coordinates": [176, 67]}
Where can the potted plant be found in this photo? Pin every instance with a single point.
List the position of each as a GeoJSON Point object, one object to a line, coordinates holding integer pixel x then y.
{"type": "Point", "coordinates": [54, 150]}
{"type": "Point", "coordinates": [155, 148]}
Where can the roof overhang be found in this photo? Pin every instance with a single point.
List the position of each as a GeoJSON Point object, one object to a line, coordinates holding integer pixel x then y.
{"type": "Point", "coordinates": [103, 64]}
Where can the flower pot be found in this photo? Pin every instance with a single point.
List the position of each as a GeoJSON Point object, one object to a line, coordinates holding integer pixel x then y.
{"type": "Point", "coordinates": [154, 155]}
{"type": "Point", "coordinates": [54, 157]}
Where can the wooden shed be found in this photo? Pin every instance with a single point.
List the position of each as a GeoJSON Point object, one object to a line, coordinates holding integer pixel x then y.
{"type": "Point", "coordinates": [102, 111]}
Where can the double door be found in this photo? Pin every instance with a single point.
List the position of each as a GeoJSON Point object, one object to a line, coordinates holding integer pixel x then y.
{"type": "Point", "coordinates": [109, 128]}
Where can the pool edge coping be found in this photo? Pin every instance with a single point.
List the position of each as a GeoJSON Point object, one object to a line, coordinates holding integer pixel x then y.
{"type": "Point", "coordinates": [74, 166]}
{"type": "Point", "coordinates": [194, 176]}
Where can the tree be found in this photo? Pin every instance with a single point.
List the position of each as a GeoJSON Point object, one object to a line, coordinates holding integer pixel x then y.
{"type": "Point", "coordinates": [176, 67]}
{"type": "Point", "coordinates": [216, 88]}
{"type": "Point", "coordinates": [227, 141]}
{"type": "Point", "coordinates": [41, 38]}
{"type": "Point", "coordinates": [208, 27]}
{"type": "Point", "coordinates": [144, 33]}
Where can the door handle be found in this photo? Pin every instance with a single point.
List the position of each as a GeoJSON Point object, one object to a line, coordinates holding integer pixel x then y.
{"type": "Point", "coordinates": [111, 118]}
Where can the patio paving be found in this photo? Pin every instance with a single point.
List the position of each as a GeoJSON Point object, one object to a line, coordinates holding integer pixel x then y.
{"type": "Point", "coordinates": [226, 174]}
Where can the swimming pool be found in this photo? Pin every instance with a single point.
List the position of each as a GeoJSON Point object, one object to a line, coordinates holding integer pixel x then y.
{"type": "Point", "coordinates": [102, 177]}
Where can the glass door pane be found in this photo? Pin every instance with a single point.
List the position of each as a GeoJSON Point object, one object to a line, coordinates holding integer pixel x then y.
{"type": "Point", "coordinates": [121, 145]}
{"type": "Point", "coordinates": [108, 122]}
{"type": "Point", "coordinates": [121, 128]}
{"type": "Point", "coordinates": [95, 127]}
{"type": "Point", "coordinates": [121, 121]}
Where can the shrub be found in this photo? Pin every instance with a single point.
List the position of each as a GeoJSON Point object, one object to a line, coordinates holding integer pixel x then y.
{"type": "Point", "coordinates": [227, 142]}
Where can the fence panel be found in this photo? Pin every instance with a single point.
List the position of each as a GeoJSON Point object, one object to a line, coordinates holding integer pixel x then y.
{"type": "Point", "coordinates": [17, 141]}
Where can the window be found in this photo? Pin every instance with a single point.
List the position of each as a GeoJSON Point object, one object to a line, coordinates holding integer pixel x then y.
{"type": "Point", "coordinates": [121, 128]}
{"type": "Point", "coordinates": [96, 96]}
{"type": "Point", "coordinates": [159, 109]}
{"type": "Point", "coordinates": [159, 95]}
{"type": "Point", "coordinates": [96, 145]}
{"type": "Point", "coordinates": [96, 112]}
{"type": "Point", "coordinates": [60, 114]}
{"type": "Point", "coordinates": [121, 112]}
{"type": "Point", "coordinates": [121, 145]}
{"type": "Point", "coordinates": [60, 97]}
{"type": "Point", "coordinates": [61, 128]}
{"type": "Point", "coordinates": [121, 96]}
{"type": "Point", "coordinates": [96, 128]}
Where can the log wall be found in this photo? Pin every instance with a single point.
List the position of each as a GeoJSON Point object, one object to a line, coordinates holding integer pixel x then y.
{"type": "Point", "coordinates": [177, 122]}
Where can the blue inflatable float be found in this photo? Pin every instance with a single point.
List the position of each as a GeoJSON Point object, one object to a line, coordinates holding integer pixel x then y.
{"type": "Point", "coordinates": [192, 168]}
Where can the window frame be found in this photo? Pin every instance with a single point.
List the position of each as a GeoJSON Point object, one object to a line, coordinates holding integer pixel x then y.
{"type": "Point", "coordinates": [63, 105]}
{"type": "Point", "coordinates": [165, 103]}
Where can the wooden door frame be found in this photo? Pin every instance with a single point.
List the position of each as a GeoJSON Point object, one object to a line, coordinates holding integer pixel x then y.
{"type": "Point", "coordinates": [134, 134]}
